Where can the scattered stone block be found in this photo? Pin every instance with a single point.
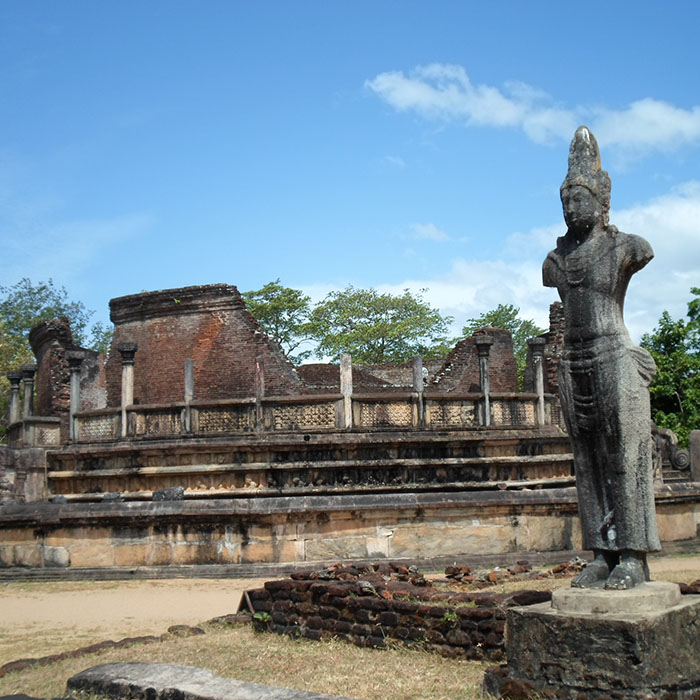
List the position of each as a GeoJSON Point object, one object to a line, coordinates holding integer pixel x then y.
{"type": "Point", "coordinates": [166, 681]}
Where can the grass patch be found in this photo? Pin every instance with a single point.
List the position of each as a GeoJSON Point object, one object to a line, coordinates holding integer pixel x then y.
{"type": "Point", "coordinates": [331, 667]}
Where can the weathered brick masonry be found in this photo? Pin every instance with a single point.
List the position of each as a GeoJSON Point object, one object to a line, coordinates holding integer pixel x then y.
{"type": "Point", "coordinates": [460, 371]}
{"type": "Point", "coordinates": [207, 324]}
{"type": "Point", "coordinates": [50, 341]}
{"type": "Point", "coordinates": [466, 625]}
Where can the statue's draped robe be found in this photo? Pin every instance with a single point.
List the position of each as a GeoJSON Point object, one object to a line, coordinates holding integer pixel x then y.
{"type": "Point", "coordinates": [603, 386]}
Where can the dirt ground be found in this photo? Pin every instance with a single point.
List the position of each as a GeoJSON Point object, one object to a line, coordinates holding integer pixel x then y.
{"type": "Point", "coordinates": [37, 619]}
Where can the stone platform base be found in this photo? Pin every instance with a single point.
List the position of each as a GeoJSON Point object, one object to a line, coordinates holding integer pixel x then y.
{"type": "Point", "coordinates": [603, 644]}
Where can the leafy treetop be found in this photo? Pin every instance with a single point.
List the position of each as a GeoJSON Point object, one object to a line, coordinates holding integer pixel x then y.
{"type": "Point", "coordinates": [376, 328]}
{"type": "Point", "coordinates": [283, 313]}
{"type": "Point", "coordinates": [675, 391]}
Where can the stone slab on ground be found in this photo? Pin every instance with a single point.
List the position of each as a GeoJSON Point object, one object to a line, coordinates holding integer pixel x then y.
{"type": "Point", "coordinates": [166, 681]}
{"type": "Point", "coordinates": [633, 655]}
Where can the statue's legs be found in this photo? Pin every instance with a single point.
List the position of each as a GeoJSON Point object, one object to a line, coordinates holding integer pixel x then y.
{"type": "Point", "coordinates": [603, 401]}
{"type": "Point", "coordinates": [596, 573]}
{"type": "Point", "coordinates": [630, 572]}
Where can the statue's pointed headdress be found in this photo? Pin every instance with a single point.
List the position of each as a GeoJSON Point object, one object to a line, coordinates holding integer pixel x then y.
{"type": "Point", "coordinates": [585, 169]}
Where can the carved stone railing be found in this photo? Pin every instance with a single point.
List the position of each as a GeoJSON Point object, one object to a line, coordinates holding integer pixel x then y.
{"type": "Point", "coordinates": [372, 411]}
{"type": "Point", "coordinates": [98, 426]}
{"type": "Point", "coordinates": [452, 413]}
{"type": "Point", "coordinates": [35, 431]}
{"type": "Point", "coordinates": [311, 413]}
{"type": "Point", "coordinates": [514, 410]}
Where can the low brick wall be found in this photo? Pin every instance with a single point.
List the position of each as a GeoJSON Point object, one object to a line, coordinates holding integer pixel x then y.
{"type": "Point", "coordinates": [457, 625]}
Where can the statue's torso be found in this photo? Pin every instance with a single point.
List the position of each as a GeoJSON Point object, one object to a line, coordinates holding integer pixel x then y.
{"type": "Point", "coordinates": [592, 278]}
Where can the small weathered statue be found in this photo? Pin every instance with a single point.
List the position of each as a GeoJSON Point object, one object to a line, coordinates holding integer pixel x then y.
{"type": "Point", "coordinates": [604, 377]}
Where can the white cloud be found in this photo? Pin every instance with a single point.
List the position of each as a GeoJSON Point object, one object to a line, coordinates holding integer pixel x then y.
{"type": "Point", "coordinates": [398, 161]}
{"type": "Point", "coordinates": [648, 125]}
{"type": "Point", "coordinates": [445, 92]}
{"type": "Point", "coordinates": [429, 232]}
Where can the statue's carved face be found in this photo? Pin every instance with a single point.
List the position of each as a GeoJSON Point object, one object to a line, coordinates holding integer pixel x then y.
{"type": "Point", "coordinates": [582, 210]}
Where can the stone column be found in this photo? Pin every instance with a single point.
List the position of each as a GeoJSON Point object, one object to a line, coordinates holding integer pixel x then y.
{"type": "Point", "coordinates": [346, 388]}
{"type": "Point", "coordinates": [418, 387]}
{"type": "Point", "coordinates": [127, 351]}
{"type": "Point", "coordinates": [695, 455]}
{"type": "Point", "coordinates": [259, 393]}
{"type": "Point", "coordinates": [189, 394]}
{"type": "Point", "coordinates": [75, 359]}
{"type": "Point", "coordinates": [537, 353]}
{"type": "Point", "coordinates": [13, 412]}
{"type": "Point", "coordinates": [483, 346]}
{"type": "Point", "coordinates": [28, 372]}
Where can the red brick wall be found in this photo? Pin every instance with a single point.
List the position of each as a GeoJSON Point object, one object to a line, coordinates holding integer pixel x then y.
{"type": "Point", "coordinates": [460, 372]}
{"type": "Point", "coordinates": [50, 341]}
{"type": "Point", "coordinates": [207, 324]}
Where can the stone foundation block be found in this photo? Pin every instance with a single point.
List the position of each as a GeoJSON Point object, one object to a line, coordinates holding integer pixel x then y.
{"type": "Point", "coordinates": [7, 556]}
{"type": "Point", "coordinates": [28, 555]}
{"type": "Point", "coordinates": [58, 557]}
{"type": "Point", "coordinates": [626, 651]}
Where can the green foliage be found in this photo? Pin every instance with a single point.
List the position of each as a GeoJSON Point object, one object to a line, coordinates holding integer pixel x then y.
{"type": "Point", "coordinates": [283, 313]}
{"type": "Point", "coordinates": [450, 617]}
{"type": "Point", "coordinates": [507, 316]}
{"type": "Point", "coordinates": [24, 304]}
{"type": "Point", "coordinates": [675, 391]}
{"type": "Point", "coordinates": [376, 328]}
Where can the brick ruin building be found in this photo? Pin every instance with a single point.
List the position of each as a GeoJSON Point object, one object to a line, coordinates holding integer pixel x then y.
{"type": "Point", "coordinates": [196, 441]}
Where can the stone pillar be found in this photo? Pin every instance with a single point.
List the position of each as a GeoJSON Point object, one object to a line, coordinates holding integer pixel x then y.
{"type": "Point", "coordinates": [75, 359]}
{"type": "Point", "coordinates": [28, 372]}
{"type": "Point", "coordinates": [259, 393]}
{"type": "Point", "coordinates": [127, 351]}
{"type": "Point", "coordinates": [346, 389]}
{"type": "Point", "coordinates": [189, 394]}
{"type": "Point", "coordinates": [483, 346]}
{"type": "Point", "coordinates": [695, 455]}
{"type": "Point", "coordinates": [537, 352]}
{"type": "Point", "coordinates": [418, 386]}
{"type": "Point", "coordinates": [13, 412]}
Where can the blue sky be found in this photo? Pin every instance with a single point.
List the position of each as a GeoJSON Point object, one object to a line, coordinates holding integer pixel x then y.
{"type": "Point", "coordinates": [149, 145]}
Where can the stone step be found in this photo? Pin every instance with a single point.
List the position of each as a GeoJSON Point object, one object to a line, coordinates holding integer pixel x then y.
{"type": "Point", "coordinates": [263, 492]}
{"type": "Point", "coordinates": [360, 464]}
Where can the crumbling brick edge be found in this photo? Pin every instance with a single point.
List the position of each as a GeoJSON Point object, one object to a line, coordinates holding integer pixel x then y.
{"type": "Point", "coordinates": [465, 625]}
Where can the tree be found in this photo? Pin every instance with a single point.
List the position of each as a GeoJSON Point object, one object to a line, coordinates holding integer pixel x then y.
{"type": "Point", "coordinates": [507, 316]}
{"type": "Point", "coordinates": [675, 391]}
{"type": "Point", "coordinates": [376, 328]}
{"type": "Point", "coordinates": [283, 313]}
{"type": "Point", "coordinates": [22, 306]}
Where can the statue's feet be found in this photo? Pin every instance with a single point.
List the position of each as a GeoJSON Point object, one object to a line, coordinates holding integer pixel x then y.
{"type": "Point", "coordinates": [593, 576]}
{"type": "Point", "coordinates": [627, 574]}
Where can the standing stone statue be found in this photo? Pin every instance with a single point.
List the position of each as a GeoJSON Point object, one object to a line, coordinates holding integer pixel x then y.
{"type": "Point", "coordinates": [604, 377]}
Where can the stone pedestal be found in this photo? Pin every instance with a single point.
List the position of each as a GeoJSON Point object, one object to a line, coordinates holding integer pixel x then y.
{"type": "Point", "coordinates": [593, 644]}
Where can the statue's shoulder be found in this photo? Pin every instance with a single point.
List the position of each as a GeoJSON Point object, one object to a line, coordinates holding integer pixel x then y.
{"type": "Point", "coordinates": [557, 255]}
{"type": "Point", "coordinates": [553, 264]}
{"type": "Point", "coordinates": [635, 248]}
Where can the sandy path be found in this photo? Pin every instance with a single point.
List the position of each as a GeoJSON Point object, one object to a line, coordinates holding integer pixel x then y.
{"type": "Point", "coordinates": [37, 619]}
